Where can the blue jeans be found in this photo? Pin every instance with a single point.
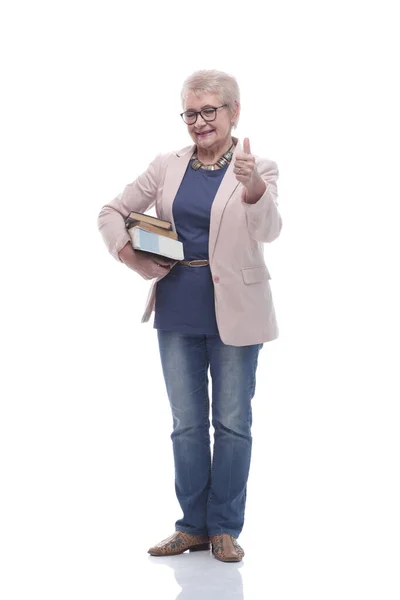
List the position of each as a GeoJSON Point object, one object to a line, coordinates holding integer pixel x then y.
{"type": "Point", "coordinates": [211, 490]}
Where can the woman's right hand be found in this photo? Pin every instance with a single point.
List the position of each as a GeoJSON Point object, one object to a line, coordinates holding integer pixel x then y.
{"type": "Point", "coordinates": [142, 263]}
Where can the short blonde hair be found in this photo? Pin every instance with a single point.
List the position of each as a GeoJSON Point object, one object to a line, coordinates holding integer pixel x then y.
{"type": "Point", "coordinates": [213, 82]}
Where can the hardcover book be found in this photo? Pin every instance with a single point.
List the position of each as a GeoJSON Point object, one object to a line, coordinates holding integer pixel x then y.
{"type": "Point", "coordinates": [136, 216]}
{"type": "Point", "coordinates": [149, 227]}
{"type": "Point", "coordinates": [154, 243]}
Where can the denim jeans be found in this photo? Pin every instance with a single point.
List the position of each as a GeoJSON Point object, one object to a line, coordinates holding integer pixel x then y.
{"type": "Point", "coordinates": [211, 490]}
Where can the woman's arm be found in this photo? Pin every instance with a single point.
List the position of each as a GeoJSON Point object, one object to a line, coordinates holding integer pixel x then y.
{"type": "Point", "coordinates": [263, 219]}
{"type": "Point", "coordinates": [138, 196]}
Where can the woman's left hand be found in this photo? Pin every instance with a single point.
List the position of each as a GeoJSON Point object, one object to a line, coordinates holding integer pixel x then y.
{"type": "Point", "coordinates": [245, 166]}
{"type": "Point", "coordinates": [247, 174]}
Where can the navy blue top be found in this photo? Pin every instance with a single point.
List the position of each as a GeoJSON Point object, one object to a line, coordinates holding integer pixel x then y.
{"type": "Point", "coordinates": [185, 297]}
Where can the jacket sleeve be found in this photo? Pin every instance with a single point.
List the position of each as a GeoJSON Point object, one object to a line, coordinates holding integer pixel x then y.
{"type": "Point", "coordinates": [139, 196]}
{"type": "Point", "coordinates": [263, 219]}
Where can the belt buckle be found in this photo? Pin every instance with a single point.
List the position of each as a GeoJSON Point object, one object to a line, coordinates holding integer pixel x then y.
{"type": "Point", "coordinates": [200, 260]}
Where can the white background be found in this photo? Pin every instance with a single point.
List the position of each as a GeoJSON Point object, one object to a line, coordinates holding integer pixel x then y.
{"type": "Point", "coordinates": [91, 93]}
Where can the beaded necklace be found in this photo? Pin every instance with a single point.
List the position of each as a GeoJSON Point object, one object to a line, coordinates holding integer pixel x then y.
{"type": "Point", "coordinates": [221, 162]}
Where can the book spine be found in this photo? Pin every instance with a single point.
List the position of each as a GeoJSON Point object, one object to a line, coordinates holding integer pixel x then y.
{"type": "Point", "coordinates": [153, 229]}
{"type": "Point", "coordinates": [137, 218]}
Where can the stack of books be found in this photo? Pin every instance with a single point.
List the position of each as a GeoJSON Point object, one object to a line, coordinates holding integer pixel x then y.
{"type": "Point", "coordinates": [154, 236]}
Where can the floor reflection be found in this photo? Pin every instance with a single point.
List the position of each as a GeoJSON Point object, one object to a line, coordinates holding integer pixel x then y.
{"type": "Point", "coordinates": [200, 575]}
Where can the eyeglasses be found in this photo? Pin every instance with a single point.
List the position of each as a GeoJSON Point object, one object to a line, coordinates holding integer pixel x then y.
{"type": "Point", "coordinates": [209, 113]}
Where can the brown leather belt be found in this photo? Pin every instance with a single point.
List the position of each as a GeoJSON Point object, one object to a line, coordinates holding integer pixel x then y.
{"type": "Point", "coordinates": [194, 263]}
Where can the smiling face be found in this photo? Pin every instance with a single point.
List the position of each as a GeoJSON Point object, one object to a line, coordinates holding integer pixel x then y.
{"type": "Point", "coordinates": [210, 136]}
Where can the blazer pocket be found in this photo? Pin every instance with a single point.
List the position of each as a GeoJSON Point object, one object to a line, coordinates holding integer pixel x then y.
{"type": "Point", "coordinates": [255, 274]}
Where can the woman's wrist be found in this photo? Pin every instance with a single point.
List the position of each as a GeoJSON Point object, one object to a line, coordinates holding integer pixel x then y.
{"type": "Point", "coordinates": [127, 254]}
{"type": "Point", "coordinates": [252, 194]}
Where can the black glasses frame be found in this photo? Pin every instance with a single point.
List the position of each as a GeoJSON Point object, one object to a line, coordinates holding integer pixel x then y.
{"type": "Point", "coordinates": [200, 112]}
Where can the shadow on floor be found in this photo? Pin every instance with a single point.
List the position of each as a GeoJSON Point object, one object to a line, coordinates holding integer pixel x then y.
{"type": "Point", "coordinates": [201, 576]}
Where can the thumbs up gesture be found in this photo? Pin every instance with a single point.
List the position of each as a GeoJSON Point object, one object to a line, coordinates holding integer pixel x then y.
{"type": "Point", "coordinates": [246, 146]}
{"type": "Point", "coordinates": [245, 165]}
{"type": "Point", "coordinates": [246, 173]}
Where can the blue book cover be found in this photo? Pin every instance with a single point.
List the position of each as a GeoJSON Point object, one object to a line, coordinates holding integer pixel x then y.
{"type": "Point", "coordinates": [154, 243]}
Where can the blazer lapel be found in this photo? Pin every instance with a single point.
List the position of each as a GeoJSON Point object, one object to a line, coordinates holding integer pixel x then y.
{"type": "Point", "coordinates": [224, 193]}
{"type": "Point", "coordinates": [176, 168]}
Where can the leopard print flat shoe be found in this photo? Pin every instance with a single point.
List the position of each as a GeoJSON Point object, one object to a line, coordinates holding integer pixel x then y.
{"type": "Point", "coordinates": [226, 548]}
{"type": "Point", "coordinates": [178, 543]}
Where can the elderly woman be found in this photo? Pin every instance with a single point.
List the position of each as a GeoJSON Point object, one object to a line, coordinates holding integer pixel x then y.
{"type": "Point", "coordinates": [213, 311]}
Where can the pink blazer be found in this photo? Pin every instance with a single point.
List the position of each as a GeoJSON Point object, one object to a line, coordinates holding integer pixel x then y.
{"type": "Point", "coordinates": [243, 302]}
